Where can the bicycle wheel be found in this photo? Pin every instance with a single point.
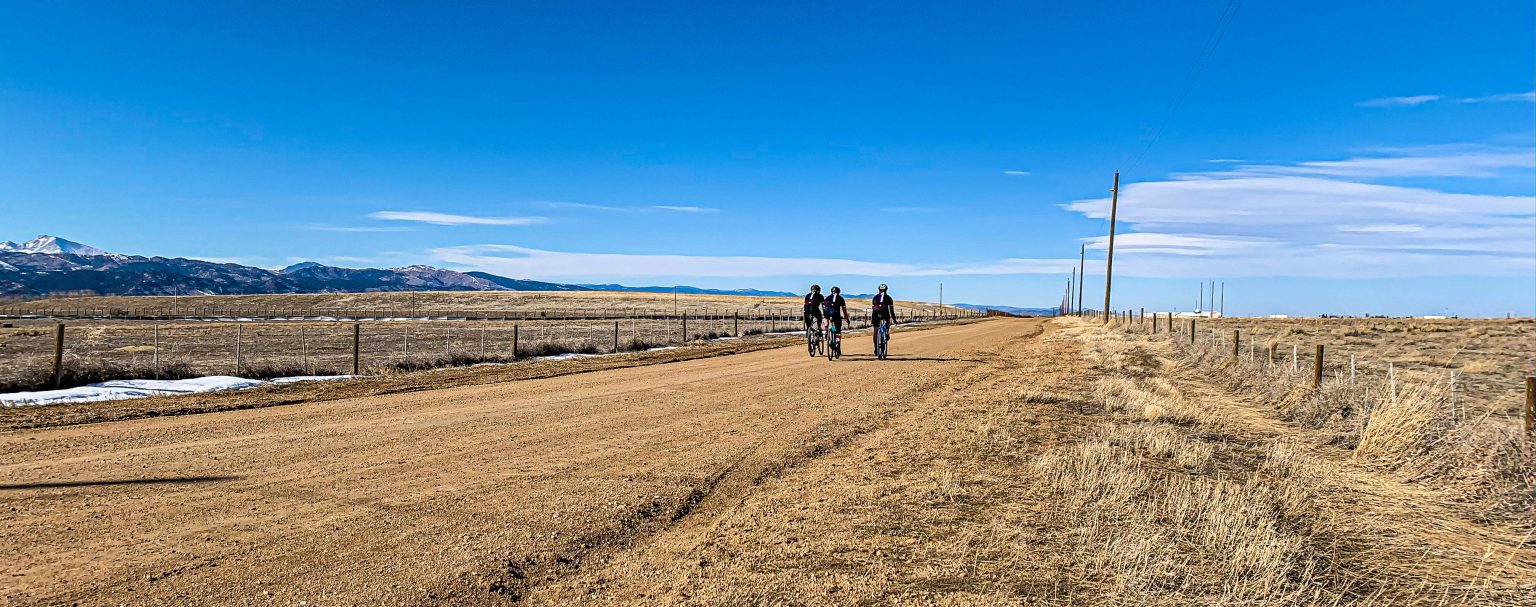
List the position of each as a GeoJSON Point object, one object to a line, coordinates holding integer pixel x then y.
{"type": "Point", "coordinates": [810, 340]}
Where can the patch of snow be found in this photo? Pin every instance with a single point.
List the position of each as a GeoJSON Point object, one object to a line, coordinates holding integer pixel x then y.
{"type": "Point", "coordinates": [50, 244]}
{"type": "Point", "coordinates": [298, 378]}
{"type": "Point", "coordinates": [140, 388]}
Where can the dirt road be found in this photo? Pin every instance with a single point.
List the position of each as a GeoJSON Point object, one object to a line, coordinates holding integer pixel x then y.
{"type": "Point", "coordinates": [472, 495]}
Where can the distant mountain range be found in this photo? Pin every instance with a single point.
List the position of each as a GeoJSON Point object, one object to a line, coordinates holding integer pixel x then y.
{"type": "Point", "coordinates": [49, 264]}
{"type": "Point", "coordinates": [1011, 309]}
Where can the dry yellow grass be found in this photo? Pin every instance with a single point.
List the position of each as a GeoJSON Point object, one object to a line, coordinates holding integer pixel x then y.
{"type": "Point", "coordinates": [422, 302]}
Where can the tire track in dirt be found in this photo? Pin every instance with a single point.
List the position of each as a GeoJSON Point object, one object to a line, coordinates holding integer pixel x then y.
{"type": "Point", "coordinates": [439, 496]}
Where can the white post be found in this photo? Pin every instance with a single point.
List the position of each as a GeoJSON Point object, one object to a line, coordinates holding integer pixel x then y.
{"type": "Point", "coordinates": [1293, 358]}
{"type": "Point", "coordinates": [1351, 369]}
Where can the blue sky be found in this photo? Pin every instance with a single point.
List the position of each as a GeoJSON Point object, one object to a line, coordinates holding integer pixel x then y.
{"type": "Point", "coordinates": [1330, 157]}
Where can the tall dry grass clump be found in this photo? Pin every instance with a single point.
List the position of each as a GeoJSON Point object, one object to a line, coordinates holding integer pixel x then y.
{"type": "Point", "coordinates": [1145, 530]}
{"type": "Point", "coordinates": [1404, 424]}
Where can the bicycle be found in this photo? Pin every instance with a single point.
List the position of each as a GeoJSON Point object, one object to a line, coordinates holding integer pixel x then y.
{"type": "Point", "coordinates": [834, 342]}
{"type": "Point", "coordinates": [882, 338]}
{"type": "Point", "coordinates": [813, 339]}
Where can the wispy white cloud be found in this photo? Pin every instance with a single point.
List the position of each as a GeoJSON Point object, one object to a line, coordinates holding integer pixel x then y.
{"type": "Point", "coordinates": [1434, 161]}
{"type": "Point", "coordinates": [1528, 97]}
{"type": "Point", "coordinates": [1017, 173]}
{"type": "Point", "coordinates": [583, 205]}
{"type": "Point", "coordinates": [683, 208]}
{"type": "Point", "coordinates": [1316, 219]}
{"type": "Point", "coordinates": [524, 262]}
{"type": "Point", "coordinates": [1413, 100]}
{"type": "Point", "coordinates": [446, 219]}
{"type": "Point", "coordinates": [1225, 160]}
{"type": "Point", "coordinates": [914, 209]}
{"type": "Point", "coordinates": [1408, 101]}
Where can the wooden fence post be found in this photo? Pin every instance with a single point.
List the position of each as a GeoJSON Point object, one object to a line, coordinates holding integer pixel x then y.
{"type": "Point", "coordinates": [736, 324]}
{"type": "Point", "coordinates": [1191, 330]}
{"type": "Point", "coordinates": [1236, 337]}
{"type": "Point", "coordinates": [514, 342]}
{"type": "Point", "coordinates": [357, 339]}
{"type": "Point", "coordinates": [157, 350]}
{"type": "Point", "coordinates": [685, 328]}
{"type": "Point", "coordinates": [239, 331]}
{"type": "Point", "coordinates": [1317, 368]}
{"type": "Point", "coordinates": [58, 355]}
{"type": "Point", "coordinates": [615, 336]}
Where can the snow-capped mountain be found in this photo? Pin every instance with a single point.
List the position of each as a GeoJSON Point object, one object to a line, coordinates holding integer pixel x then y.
{"type": "Point", "coordinates": [49, 264]}
{"type": "Point", "coordinates": [50, 244]}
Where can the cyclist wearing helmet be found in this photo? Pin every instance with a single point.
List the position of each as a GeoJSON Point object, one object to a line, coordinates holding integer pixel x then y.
{"type": "Point", "coordinates": [812, 314]}
{"type": "Point", "coordinates": [882, 309]}
{"type": "Point", "coordinates": [835, 308]}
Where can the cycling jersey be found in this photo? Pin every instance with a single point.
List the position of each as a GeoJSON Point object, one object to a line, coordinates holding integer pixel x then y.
{"type": "Point", "coordinates": [882, 306]}
{"type": "Point", "coordinates": [834, 307]}
{"type": "Point", "coordinates": [813, 306]}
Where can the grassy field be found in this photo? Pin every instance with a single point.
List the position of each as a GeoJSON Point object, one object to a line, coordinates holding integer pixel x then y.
{"type": "Point", "coordinates": [1490, 359]}
{"type": "Point", "coordinates": [98, 350]}
{"type": "Point", "coordinates": [427, 303]}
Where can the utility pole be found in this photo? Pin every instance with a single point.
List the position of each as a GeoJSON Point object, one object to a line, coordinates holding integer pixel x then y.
{"type": "Point", "coordinates": [1109, 263]}
{"type": "Point", "coordinates": [1223, 309]}
{"type": "Point", "coordinates": [1082, 254]}
{"type": "Point", "coordinates": [1200, 301]}
{"type": "Point", "coordinates": [1067, 308]}
{"type": "Point", "coordinates": [941, 297]}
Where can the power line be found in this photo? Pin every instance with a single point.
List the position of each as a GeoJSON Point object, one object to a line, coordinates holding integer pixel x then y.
{"type": "Point", "coordinates": [1228, 14]}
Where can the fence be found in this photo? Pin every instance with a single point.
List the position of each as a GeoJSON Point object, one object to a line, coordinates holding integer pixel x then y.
{"type": "Point", "coordinates": [1314, 362]}
{"type": "Point", "coordinates": [67, 354]}
{"type": "Point", "coordinates": [276, 313]}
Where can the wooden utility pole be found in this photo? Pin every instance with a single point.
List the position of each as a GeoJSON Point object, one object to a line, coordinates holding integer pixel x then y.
{"type": "Point", "coordinates": [1222, 308]}
{"type": "Point", "coordinates": [1082, 256]}
{"type": "Point", "coordinates": [1109, 262]}
{"type": "Point", "coordinates": [1070, 282]}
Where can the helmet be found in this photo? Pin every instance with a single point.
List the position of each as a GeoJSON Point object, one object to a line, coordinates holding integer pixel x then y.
{"type": "Point", "coordinates": [882, 286]}
{"type": "Point", "coordinates": [815, 288]}
{"type": "Point", "coordinates": [836, 290]}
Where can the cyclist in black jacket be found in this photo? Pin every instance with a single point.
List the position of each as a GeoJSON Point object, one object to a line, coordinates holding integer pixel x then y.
{"type": "Point", "coordinates": [812, 313]}
{"type": "Point", "coordinates": [882, 309]}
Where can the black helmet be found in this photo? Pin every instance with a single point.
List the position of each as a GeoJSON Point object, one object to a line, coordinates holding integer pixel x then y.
{"type": "Point", "coordinates": [836, 290]}
{"type": "Point", "coordinates": [815, 288]}
{"type": "Point", "coordinates": [882, 286]}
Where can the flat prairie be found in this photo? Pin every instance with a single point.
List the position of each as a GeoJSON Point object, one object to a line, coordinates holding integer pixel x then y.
{"type": "Point", "coordinates": [996, 462]}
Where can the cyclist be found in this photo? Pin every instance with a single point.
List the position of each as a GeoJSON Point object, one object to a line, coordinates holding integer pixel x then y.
{"type": "Point", "coordinates": [882, 309]}
{"type": "Point", "coordinates": [835, 308]}
{"type": "Point", "coordinates": [812, 314]}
